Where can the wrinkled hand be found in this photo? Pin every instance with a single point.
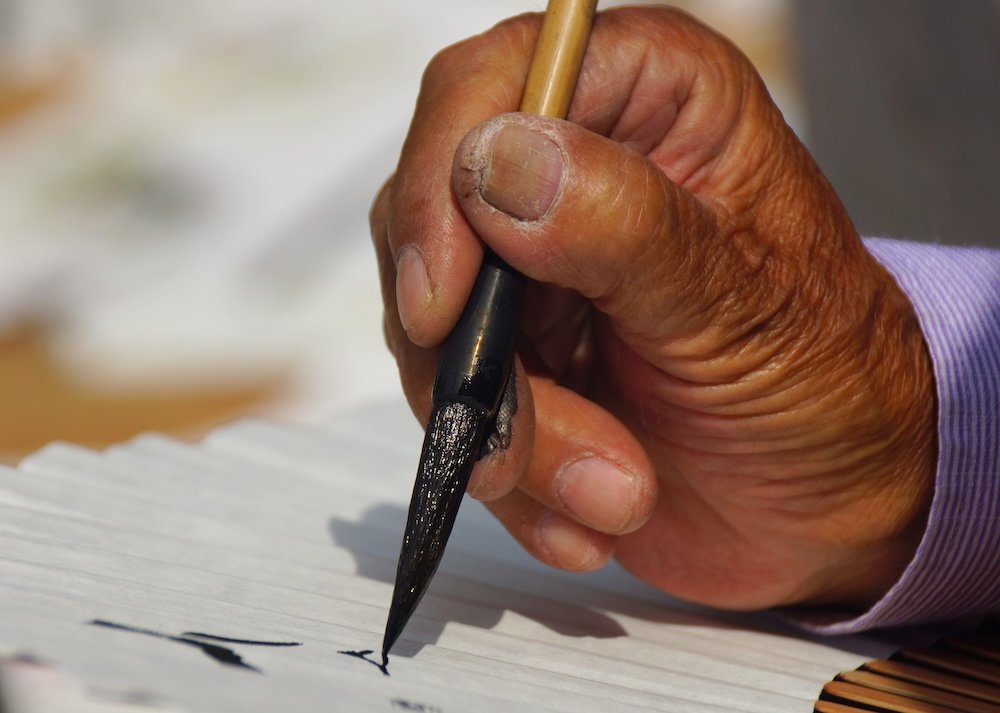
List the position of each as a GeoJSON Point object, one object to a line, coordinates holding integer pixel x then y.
{"type": "Point", "coordinates": [716, 384]}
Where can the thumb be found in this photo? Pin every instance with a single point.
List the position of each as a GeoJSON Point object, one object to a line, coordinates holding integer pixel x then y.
{"type": "Point", "coordinates": [568, 207]}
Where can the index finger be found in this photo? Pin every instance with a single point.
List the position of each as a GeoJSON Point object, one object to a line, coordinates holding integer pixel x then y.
{"type": "Point", "coordinates": [462, 86]}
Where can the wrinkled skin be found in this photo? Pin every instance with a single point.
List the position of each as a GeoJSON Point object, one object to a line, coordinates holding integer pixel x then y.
{"type": "Point", "coordinates": [702, 320]}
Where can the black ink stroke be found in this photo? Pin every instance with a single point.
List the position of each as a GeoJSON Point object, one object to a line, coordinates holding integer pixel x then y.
{"type": "Point", "coordinates": [405, 705]}
{"type": "Point", "coordinates": [221, 654]}
{"type": "Point", "coordinates": [363, 655]}
{"type": "Point", "coordinates": [226, 639]}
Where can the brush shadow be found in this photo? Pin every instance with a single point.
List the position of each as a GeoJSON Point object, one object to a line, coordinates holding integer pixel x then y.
{"type": "Point", "coordinates": [374, 544]}
{"type": "Point", "coordinates": [478, 591]}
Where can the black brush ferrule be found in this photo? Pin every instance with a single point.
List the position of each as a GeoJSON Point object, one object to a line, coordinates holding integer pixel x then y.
{"type": "Point", "coordinates": [479, 352]}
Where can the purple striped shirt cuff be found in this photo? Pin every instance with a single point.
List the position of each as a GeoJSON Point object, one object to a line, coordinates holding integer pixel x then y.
{"type": "Point", "coordinates": [956, 569]}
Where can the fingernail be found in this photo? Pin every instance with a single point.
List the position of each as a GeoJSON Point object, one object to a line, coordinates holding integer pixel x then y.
{"type": "Point", "coordinates": [413, 288]}
{"type": "Point", "coordinates": [598, 492]}
{"type": "Point", "coordinates": [523, 173]}
{"type": "Point", "coordinates": [568, 544]}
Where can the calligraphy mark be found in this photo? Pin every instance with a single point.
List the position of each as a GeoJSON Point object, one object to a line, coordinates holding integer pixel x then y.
{"type": "Point", "coordinates": [363, 655]}
{"type": "Point", "coordinates": [406, 705]}
{"type": "Point", "coordinates": [220, 653]}
{"type": "Point", "coordinates": [226, 639]}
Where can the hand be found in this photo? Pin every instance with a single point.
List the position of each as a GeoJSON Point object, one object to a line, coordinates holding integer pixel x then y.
{"type": "Point", "coordinates": [717, 384]}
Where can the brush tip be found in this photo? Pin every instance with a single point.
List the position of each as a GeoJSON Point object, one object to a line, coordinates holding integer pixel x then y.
{"type": "Point", "coordinates": [452, 442]}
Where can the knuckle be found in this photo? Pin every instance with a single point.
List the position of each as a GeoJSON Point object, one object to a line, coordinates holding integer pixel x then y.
{"type": "Point", "coordinates": [519, 30]}
{"type": "Point", "coordinates": [515, 33]}
{"type": "Point", "coordinates": [443, 63]}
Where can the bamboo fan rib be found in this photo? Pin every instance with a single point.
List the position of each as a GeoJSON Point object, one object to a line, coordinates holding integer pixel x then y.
{"type": "Point", "coordinates": [957, 674]}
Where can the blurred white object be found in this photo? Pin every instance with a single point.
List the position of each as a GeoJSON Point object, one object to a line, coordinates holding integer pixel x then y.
{"type": "Point", "coordinates": [195, 210]}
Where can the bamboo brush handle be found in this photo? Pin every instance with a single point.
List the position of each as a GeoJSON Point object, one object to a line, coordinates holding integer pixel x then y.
{"type": "Point", "coordinates": [558, 55]}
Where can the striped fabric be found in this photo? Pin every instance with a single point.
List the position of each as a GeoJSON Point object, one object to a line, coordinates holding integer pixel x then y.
{"type": "Point", "coordinates": [956, 569]}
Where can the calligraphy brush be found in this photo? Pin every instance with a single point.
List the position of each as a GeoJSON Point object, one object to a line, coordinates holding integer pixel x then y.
{"type": "Point", "coordinates": [478, 355]}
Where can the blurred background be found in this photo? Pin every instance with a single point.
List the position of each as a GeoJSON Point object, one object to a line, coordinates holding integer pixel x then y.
{"type": "Point", "coordinates": [184, 185]}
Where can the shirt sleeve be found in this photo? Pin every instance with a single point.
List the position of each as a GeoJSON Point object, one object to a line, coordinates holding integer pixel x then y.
{"type": "Point", "coordinates": [955, 571]}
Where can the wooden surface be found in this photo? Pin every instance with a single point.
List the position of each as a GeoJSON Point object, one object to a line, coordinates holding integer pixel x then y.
{"type": "Point", "coordinates": [42, 402]}
{"type": "Point", "coordinates": [18, 97]}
